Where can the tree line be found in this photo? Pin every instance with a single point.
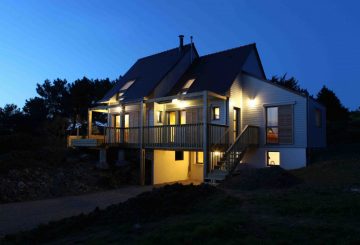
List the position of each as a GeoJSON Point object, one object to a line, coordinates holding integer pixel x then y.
{"type": "Point", "coordinates": [57, 105]}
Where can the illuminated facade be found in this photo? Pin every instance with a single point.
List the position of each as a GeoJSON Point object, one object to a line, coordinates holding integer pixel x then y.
{"type": "Point", "coordinates": [196, 118]}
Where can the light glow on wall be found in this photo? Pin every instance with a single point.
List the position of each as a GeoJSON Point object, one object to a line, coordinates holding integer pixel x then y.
{"type": "Point", "coordinates": [179, 103]}
{"type": "Point", "coordinates": [252, 102]}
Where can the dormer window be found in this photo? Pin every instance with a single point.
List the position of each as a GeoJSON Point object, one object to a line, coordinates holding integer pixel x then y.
{"type": "Point", "coordinates": [187, 85]}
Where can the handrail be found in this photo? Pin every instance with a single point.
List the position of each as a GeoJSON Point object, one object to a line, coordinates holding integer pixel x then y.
{"type": "Point", "coordinates": [249, 136]}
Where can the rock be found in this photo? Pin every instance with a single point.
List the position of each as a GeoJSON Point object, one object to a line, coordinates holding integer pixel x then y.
{"type": "Point", "coordinates": [21, 185]}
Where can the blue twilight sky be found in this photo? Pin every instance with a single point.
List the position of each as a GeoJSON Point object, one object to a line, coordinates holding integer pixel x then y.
{"type": "Point", "coordinates": [318, 42]}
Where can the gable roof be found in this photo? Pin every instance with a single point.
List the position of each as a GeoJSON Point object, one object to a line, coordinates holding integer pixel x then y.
{"type": "Point", "coordinates": [147, 73]}
{"type": "Point", "coordinates": [215, 72]}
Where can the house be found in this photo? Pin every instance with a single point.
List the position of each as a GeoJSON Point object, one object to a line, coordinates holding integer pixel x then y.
{"type": "Point", "coordinates": [191, 117]}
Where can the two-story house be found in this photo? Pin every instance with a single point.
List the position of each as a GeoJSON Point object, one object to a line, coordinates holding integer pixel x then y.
{"type": "Point", "coordinates": [191, 117]}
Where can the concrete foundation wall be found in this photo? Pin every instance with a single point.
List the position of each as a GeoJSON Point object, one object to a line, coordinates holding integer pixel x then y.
{"type": "Point", "coordinates": [290, 158]}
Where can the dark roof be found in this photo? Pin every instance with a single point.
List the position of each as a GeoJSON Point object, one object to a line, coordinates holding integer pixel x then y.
{"type": "Point", "coordinates": [147, 73]}
{"type": "Point", "coordinates": [215, 72]}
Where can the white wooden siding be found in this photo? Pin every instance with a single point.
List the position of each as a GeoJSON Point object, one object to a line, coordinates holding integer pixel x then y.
{"type": "Point", "coordinates": [267, 94]}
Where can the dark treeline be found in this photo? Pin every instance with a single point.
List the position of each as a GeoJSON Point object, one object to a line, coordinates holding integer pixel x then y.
{"type": "Point", "coordinates": [58, 105]}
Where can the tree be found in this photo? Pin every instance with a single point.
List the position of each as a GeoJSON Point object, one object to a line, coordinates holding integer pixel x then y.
{"type": "Point", "coordinates": [335, 111]}
{"type": "Point", "coordinates": [11, 118]}
{"type": "Point", "coordinates": [36, 110]}
{"type": "Point", "coordinates": [55, 96]}
{"type": "Point", "coordinates": [290, 83]}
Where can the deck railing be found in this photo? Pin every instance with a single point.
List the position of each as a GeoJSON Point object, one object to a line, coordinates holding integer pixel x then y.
{"type": "Point", "coordinates": [188, 136]}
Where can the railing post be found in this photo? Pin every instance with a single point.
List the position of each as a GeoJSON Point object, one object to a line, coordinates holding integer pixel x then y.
{"type": "Point", "coordinates": [141, 145]}
{"type": "Point", "coordinates": [89, 123]}
{"type": "Point", "coordinates": [205, 133]}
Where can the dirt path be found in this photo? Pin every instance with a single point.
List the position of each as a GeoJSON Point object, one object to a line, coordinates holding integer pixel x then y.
{"type": "Point", "coordinates": [15, 217]}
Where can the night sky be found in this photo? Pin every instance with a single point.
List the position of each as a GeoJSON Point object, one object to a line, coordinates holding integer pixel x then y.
{"type": "Point", "coordinates": [318, 42]}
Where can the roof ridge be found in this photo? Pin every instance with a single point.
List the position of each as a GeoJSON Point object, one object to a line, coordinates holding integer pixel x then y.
{"type": "Point", "coordinates": [227, 50]}
{"type": "Point", "coordinates": [162, 52]}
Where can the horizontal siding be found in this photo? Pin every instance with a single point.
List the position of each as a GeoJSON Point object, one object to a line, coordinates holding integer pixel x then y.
{"type": "Point", "coordinates": [267, 94]}
{"type": "Point", "coordinates": [317, 135]}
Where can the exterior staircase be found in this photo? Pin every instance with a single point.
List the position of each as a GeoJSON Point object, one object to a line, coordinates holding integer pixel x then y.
{"type": "Point", "coordinates": [233, 155]}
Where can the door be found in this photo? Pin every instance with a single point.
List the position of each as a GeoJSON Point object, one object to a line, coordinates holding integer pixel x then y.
{"type": "Point", "coordinates": [126, 127]}
{"type": "Point", "coordinates": [236, 122]}
{"type": "Point", "coordinates": [171, 121]}
{"type": "Point", "coordinates": [117, 128]}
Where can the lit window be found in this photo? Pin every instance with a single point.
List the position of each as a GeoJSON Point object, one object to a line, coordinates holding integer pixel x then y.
{"type": "Point", "coordinates": [318, 119]}
{"type": "Point", "coordinates": [182, 117]}
{"type": "Point", "coordinates": [199, 157]}
{"type": "Point", "coordinates": [188, 84]}
{"type": "Point", "coordinates": [127, 85]}
{"type": "Point", "coordinates": [216, 113]}
{"type": "Point", "coordinates": [159, 117]}
{"type": "Point", "coordinates": [272, 126]}
{"type": "Point", "coordinates": [273, 158]}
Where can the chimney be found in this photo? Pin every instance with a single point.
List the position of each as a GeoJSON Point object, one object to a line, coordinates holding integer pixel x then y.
{"type": "Point", "coordinates": [181, 44]}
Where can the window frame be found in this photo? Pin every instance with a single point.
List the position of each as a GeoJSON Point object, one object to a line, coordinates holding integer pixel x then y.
{"type": "Point", "coordinates": [197, 157]}
{"type": "Point", "coordinates": [275, 127]}
{"type": "Point", "coordinates": [267, 159]}
{"type": "Point", "coordinates": [179, 157]}
{"type": "Point", "coordinates": [159, 116]}
{"type": "Point", "coordinates": [213, 113]}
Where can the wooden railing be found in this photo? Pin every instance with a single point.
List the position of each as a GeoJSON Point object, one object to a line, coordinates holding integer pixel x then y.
{"type": "Point", "coordinates": [174, 136]}
{"type": "Point", "coordinates": [188, 136]}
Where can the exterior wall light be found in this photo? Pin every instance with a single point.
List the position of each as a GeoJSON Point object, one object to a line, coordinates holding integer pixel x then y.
{"type": "Point", "coordinates": [252, 103]}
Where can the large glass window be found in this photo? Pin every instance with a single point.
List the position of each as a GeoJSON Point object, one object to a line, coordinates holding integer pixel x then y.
{"type": "Point", "coordinates": [272, 125]}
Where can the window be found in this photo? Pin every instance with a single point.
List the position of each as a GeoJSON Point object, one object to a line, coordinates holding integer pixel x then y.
{"type": "Point", "coordinates": [199, 157]}
{"type": "Point", "coordinates": [318, 118]}
{"type": "Point", "coordinates": [272, 127]}
{"type": "Point", "coordinates": [187, 85]}
{"type": "Point", "coordinates": [216, 113]}
{"type": "Point", "coordinates": [179, 155]}
{"type": "Point", "coordinates": [273, 158]}
{"type": "Point", "coordinates": [159, 116]}
{"type": "Point", "coordinates": [182, 117]}
{"type": "Point", "coordinates": [279, 124]}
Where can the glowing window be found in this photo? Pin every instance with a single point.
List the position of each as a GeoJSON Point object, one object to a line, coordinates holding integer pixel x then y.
{"type": "Point", "coordinates": [216, 113]}
{"type": "Point", "coordinates": [273, 158]}
{"type": "Point", "coordinates": [182, 117]}
{"type": "Point", "coordinates": [199, 157]}
{"type": "Point", "coordinates": [188, 84]}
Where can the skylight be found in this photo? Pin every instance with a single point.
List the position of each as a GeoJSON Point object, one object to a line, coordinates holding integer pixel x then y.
{"type": "Point", "coordinates": [124, 88]}
{"type": "Point", "coordinates": [187, 85]}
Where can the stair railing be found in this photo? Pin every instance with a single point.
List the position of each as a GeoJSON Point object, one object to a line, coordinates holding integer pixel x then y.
{"type": "Point", "coordinates": [248, 137]}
